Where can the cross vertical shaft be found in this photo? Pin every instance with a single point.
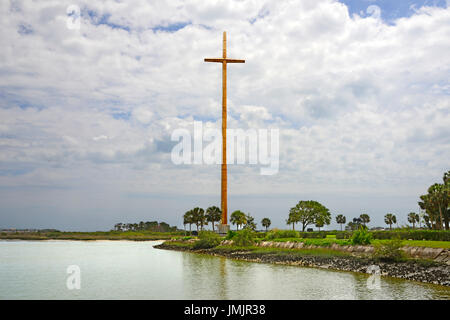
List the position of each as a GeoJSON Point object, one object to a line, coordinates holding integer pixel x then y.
{"type": "Point", "coordinates": [224, 60]}
{"type": "Point", "coordinates": [224, 197]}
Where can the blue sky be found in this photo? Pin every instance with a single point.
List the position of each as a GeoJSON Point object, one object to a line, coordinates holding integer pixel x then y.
{"type": "Point", "coordinates": [362, 104]}
{"type": "Point", "coordinates": [391, 9]}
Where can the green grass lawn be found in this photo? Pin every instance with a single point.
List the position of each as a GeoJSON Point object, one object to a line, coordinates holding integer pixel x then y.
{"type": "Point", "coordinates": [420, 243]}
{"type": "Point", "coordinates": [327, 242]}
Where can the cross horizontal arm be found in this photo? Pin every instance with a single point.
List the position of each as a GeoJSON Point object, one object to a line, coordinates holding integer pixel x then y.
{"type": "Point", "coordinates": [224, 60]}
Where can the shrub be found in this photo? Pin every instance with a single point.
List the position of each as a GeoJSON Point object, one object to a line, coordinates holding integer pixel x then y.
{"type": "Point", "coordinates": [361, 236]}
{"type": "Point", "coordinates": [261, 235]}
{"type": "Point", "coordinates": [208, 239]}
{"type": "Point", "coordinates": [313, 235]}
{"type": "Point", "coordinates": [244, 238]}
{"type": "Point", "coordinates": [389, 251]}
{"type": "Point", "coordinates": [230, 234]}
{"type": "Point", "coordinates": [343, 235]}
{"type": "Point", "coordinates": [404, 234]}
{"type": "Point", "coordinates": [279, 234]}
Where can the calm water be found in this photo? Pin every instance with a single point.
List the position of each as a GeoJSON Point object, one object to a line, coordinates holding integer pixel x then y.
{"type": "Point", "coordinates": [134, 270]}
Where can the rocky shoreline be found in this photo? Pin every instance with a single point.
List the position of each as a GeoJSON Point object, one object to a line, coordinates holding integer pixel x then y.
{"type": "Point", "coordinates": [435, 273]}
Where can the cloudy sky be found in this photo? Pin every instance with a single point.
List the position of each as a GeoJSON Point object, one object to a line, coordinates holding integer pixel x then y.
{"type": "Point", "coordinates": [358, 89]}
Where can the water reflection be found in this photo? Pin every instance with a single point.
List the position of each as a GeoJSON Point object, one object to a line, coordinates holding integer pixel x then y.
{"type": "Point", "coordinates": [242, 280]}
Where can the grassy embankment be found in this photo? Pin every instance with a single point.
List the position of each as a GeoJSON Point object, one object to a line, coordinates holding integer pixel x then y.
{"type": "Point", "coordinates": [98, 235]}
{"type": "Point", "coordinates": [326, 252]}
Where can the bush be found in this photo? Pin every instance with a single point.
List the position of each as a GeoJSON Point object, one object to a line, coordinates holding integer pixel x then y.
{"type": "Point", "coordinates": [389, 251]}
{"type": "Point", "coordinates": [261, 235]}
{"type": "Point", "coordinates": [313, 235]}
{"type": "Point", "coordinates": [230, 235]}
{"type": "Point", "coordinates": [208, 239]}
{"type": "Point", "coordinates": [343, 235]}
{"type": "Point", "coordinates": [244, 238]}
{"type": "Point", "coordinates": [361, 236]}
{"type": "Point", "coordinates": [279, 234]}
{"type": "Point", "coordinates": [404, 234]}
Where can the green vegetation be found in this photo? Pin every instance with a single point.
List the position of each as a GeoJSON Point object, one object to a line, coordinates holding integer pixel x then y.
{"type": "Point", "coordinates": [238, 218]}
{"type": "Point", "coordinates": [326, 242]}
{"type": "Point", "coordinates": [250, 222]}
{"type": "Point", "coordinates": [324, 252]}
{"type": "Point", "coordinates": [213, 215]}
{"type": "Point", "coordinates": [406, 234]}
{"type": "Point", "coordinates": [266, 223]}
{"type": "Point", "coordinates": [361, 236]}
{"type": "Point", "coordinates": [390, 219]}
{"type": "Point", "coordinates": [389, 251]}
{"type": "Point", "coordinates": [421, 243]}
{"type": "Point", "coordinates": [365, 219]}
{"type": "Point", "coordinates": [436, 204]}
{"type": "Point", "coordinates": [244, 238]}
{"type": "Point", "coordinates": [341, 219]}
{"type": "Point", "coordinates": [152, 226]}
{"type": "Point", "coordinates": [278, 234]}
{"type": "Point", "coordinates": [413, 218]}
{"type": "Point", "coordinates": [230, 234]}
{"type": "Point", "coordinates": [208, 239]}
{"type": "Point", "coordinates": [195, 216]}
{"type": "Point", "coordinates": [309, 212]}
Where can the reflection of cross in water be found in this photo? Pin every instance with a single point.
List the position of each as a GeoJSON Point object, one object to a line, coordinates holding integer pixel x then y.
{"type": "Point", "coordinates": [224, 60]}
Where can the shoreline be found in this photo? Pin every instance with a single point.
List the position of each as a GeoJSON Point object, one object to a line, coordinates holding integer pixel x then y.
{"type": "Point", "coordinates": [432, 273]}
{"type": "Point", "coordinates": [81, 239]}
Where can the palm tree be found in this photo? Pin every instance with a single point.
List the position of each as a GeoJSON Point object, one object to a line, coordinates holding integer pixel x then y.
{"type": "Point", "coordinates": [439, 196]}
{"type": "Point", "coordinates": [390, 219]}
{"type": "Point", "coordinates": [340, 219]}
{"type": "Point", "coordinates": [250, 222]}
{"type": "Point", "coordinates": [238, 218]}
{"type": "Point", "coordinates": [213, 214]}
{"type": "Point", "coordinates": [413, 218]}
{"type": "Point", "coordinates": [365, 219]}
{"type": "Point", "coordinates": [266, 223]}
{"type": "Point", "coordinates": [199, 218]}
{"type": "Point", "coordinates": [188, 218]}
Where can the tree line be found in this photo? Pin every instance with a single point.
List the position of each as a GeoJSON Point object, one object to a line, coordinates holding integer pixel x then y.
{"type": "Point", "coordinates": [200, 218]}
{"type": "Point", "coordinates": [306, 213]}
{"type": "Point", "coordinates": [153, 226]}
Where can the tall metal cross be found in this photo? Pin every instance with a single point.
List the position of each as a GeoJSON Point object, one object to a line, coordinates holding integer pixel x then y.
{"type": "Point", "coordinates": [224, 60]}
